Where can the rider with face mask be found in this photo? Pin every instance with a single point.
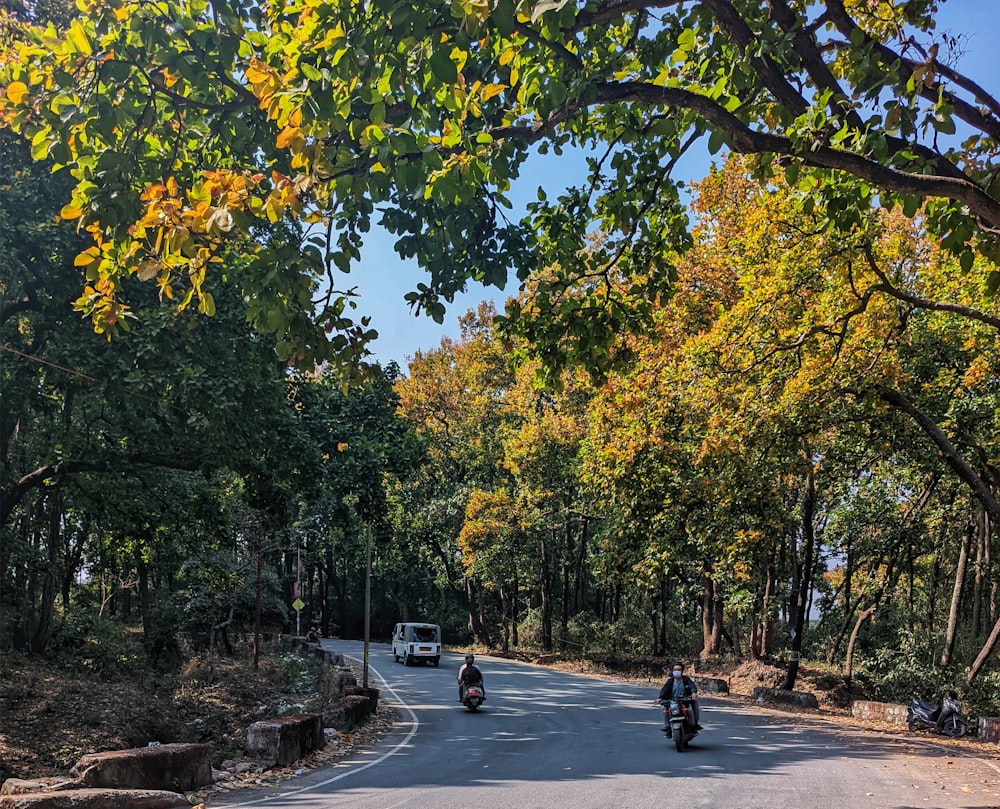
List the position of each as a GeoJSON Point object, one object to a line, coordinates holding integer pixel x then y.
{"type": "Point", "coordinates": [678, 686]}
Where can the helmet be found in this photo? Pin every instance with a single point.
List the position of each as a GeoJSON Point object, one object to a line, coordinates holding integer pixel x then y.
{"type": "Point", "coordinates": [469, 658]}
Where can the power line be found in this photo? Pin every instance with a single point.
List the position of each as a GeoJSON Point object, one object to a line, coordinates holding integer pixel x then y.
{"type": "Point", "coordinates": [70, 371]}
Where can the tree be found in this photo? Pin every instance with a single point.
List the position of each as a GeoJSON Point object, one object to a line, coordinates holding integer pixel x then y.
{"type": "Point", "coordinates": [346, 448]}
{"type": "Point", "coordinates": [455, 398]}
{"type": "Point", "coordinates": [762, 397]}
{"type": "Point", "coordinates": [541, 451]}
{"type": "Point", "coordinates": [187, 124]}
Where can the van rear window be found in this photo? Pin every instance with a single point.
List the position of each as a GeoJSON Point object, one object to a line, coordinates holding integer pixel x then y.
{"type": "Point", "coordinates": [426, 634]}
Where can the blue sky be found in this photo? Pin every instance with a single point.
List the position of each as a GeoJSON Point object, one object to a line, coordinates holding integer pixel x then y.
{"type": "Point", "coordinates": [382, 278]}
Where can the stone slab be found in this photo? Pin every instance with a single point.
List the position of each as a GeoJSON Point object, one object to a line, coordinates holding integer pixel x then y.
{"type": "Point", "coordinates": [96, 799]}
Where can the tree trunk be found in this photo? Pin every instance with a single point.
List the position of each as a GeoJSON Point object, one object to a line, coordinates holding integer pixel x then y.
{"type": "Point", "coordinates": [980, 488]}
{"type": "Point", "coordinates": [956, 596]}
{"type": "Point", "coordinates": [484, 636]}
{"type": "Point", "coordinates": [737, 638]}
{"type": "Point", "coordinates": [564, 562]}
{"type": "Point", "coordinates": [708, 629]}
{"type": "Point", "coordinates": [984, 653]}
{"type": "Point", "coordinates": [760, 632]}
{"type": "Point", "coordinates": [505, 612]}
{"type": "Point", "coordinates": [546, 597]}
{"type": "Point", "coordinates": [981, 577]}
{"type": "Point", "coordinates": [50, 583]}
{"type": "Point", "coordinates": [834, 650]}
{"type": "Point", "coordinates": [803, 577]}
{"type": "Point", "coordinates": [580, 586]}
{"type": "Point", "coordinates": [849, 577]}
{"type": "Point", "coordinates": [474, 607]}
{"type": "Point", "coordinates": [258, 587]}
{"type": "Point", "coordinates": [516, 609]}
{"type": "Point", "coordinates": [849, 658]}
{"type": "Point", "coordinates": [661, 646]}
{"type": "Point", "coordinates": [142, 588]}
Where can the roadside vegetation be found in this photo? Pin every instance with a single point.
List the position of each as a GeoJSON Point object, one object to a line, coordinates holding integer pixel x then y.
{"type": "Point", "coordinates": [761, 429]}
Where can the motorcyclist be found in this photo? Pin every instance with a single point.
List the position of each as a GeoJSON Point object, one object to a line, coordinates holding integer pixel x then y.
{"type": "Point", "coordinates": [469, 674]}
{"type": "Point", "coordinates": [678, 686]}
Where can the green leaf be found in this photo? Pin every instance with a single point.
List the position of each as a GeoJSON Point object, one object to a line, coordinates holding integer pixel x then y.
{"type": "Point", "coordinates": [503, 18]}
{"type": "Point", "coordinates": [716, 141]}
{"type": "Point", "coordinates": [944, 124]}
{"type": "Point", "coordinates": [443, 68]}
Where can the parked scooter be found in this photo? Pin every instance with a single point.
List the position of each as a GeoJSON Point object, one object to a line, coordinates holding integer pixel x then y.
{"type": "Point", "coordinates": [473, 696]}
{"type": "Point", "coordinates": [678, 715]}
{"type": "Point", "coordinates": [940, 717]}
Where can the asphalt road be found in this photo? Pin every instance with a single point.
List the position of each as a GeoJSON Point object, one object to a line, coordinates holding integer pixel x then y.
{"type": "Point", "coordinates": [553, 740]}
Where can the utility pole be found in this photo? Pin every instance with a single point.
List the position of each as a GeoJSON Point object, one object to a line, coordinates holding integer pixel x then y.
{"type": "Point", "coordinates": [368, 602]}
{"type": "Point", "coordinates": [257, 595]}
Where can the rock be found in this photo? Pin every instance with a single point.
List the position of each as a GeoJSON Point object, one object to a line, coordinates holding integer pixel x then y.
{"type": "Point", "coordinates": [177, 767]}
{"type": "Point", "coordinates": [22, 786]}
{"type": "Point", "coordinates": [350, 712]}
{"type": "Point", "coordinates": [780, 696]}
{"type": "Point", "coordinates": [711, 685]}
{"type": "Point", "coordinates": [371, 694]}
{"type": "Point", "coordinates": [96, 799]}
{"type": "Point", "coordinates": [285, 740]}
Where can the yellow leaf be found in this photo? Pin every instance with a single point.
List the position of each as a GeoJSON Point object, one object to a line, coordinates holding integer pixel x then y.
{"type": "Point", "coordinates": [491, 90]}
{"type": "Point", "coordinates": [16, 91]}
{"type": "Point", "coordinates": [257, 72]}
{"type": "Point", "coordinates": [288, 136]}
{"type": "Point", "coordinates": [79, 39]}
{"type": "Point", "coordinates": [87, 257]}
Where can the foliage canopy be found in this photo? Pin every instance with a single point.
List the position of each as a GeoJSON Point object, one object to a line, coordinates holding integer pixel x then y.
{"type": "Point", "coordinates": [188, 125]}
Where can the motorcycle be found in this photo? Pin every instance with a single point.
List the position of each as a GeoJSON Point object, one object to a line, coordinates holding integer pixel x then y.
{"type": "Point", "coordinates": [680, 715]}
{"type": "Point", "coordinates": [944, 716]}
{"type": "Point", "coordinates": [473, 696]}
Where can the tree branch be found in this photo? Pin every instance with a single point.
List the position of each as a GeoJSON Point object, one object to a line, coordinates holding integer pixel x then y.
{"type": "Point", "coordinates": [745, 140]}
{"type": "Point", "coordinates": [980, 490]}
{"type": "Point", "coordinates": [12, 495]}
{"type": "Point", "coordinates": [887, 287]}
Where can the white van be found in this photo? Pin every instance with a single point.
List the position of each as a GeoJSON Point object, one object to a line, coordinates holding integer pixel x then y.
{"type": "Point", "coordinates": [412, 642]}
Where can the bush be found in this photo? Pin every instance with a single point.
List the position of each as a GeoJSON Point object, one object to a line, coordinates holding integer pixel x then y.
{"type": "Point", "coordinates": [82, 639]}
{"type": "Point", "coordinates": [889, 674]}
{"type": "Point", "coordinates": [983, 696]}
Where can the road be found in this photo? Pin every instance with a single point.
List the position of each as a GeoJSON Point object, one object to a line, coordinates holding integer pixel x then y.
{"type": "Point", "coordinates": [553, 740]}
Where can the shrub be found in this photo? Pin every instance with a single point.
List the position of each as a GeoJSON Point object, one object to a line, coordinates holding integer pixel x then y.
{"type": "Point", "coordinates": [82, 639]}
{"type": "Point", "coordinates": [895, 674]}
